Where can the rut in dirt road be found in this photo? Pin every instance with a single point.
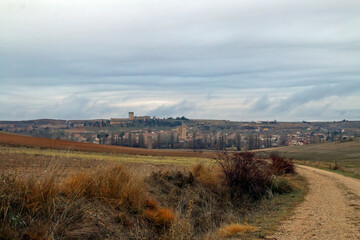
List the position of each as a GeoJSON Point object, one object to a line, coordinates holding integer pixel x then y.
{"type": "Point", "coordinates": [331, 209]}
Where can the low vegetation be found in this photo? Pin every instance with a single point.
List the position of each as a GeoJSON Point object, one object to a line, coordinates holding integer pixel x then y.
{"type": "Point", "coordinates": [236, 196]}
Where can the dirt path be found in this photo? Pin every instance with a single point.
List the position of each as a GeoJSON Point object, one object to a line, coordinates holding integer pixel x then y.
{"type": "Point", "coordinates": [331, 209]}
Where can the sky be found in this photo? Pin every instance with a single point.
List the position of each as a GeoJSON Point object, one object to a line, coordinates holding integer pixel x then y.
{"type": "Point", "coordinates": [237, 60]}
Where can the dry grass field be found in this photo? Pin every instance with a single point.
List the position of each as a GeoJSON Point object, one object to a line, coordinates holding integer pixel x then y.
{"type": "Point", "coordinates": [51, 193]}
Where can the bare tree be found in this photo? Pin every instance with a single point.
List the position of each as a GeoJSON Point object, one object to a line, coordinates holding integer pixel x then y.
{"type": "Point", "coordinates": [268, 140]}
{"type": "Point", "coordinates": [283, 139]}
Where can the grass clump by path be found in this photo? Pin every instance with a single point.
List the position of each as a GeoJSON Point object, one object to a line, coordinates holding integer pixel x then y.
{"type": "Point", "coordinates": [118, 202]}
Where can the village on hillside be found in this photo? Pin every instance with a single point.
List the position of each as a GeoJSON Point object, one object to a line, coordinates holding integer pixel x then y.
{"type": "Point", "coordinates": [177, 133]}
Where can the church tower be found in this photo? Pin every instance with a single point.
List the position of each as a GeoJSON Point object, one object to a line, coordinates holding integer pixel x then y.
{"type": "Point", "coordinates": [131, 116]}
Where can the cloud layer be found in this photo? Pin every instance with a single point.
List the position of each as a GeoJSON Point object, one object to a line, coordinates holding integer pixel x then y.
{"type": "Point", "coordinates": [238, 60]}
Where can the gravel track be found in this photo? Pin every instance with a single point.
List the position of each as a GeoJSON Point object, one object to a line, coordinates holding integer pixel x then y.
{"type": "Point", "coordinates": [331, 209]}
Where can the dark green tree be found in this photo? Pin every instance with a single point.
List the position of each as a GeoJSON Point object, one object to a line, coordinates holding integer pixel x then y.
{"type": "Point", "coordinates": [130, 141]}
{"type": "Point", "coordinates": [238, 141]}
{"type": "Point", "coordinates": [172, 140]}
{"type": "Point", "coordinates": [141, 142]}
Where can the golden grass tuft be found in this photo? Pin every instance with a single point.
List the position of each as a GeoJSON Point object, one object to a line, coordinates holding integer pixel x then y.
{"type": "Point", "coordinates": [115, 185]}
{"type": "Point", "coordinates": [36, 202]}
{"type": "Point", "coordinates": [36, 194]}
{"type": "Point", "coordinates": [160, 217]}
{"type": "Point", "coordinates": [208, 176]}
{"type": "Point", "coordinates": [234, 228]}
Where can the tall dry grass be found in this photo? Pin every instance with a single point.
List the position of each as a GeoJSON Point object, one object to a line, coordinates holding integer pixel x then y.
{"type": "Point", "coordinates": [48, 205]}
{"type": "Point", "coordinates": [114, 185]}
{"type": "Point", "coordinates": [32, 205]}
{"type": "Point", "coordinates": [208, 175]}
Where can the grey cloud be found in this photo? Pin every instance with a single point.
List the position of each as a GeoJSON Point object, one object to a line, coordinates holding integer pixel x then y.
{"type": "Point", "coordinates": [176, 110]}
{"type": "Point", "coordinates": [216, 40]}
{"type": "Point", "coordinates": [318, 113]}
{"type": "Point", "coordinates": [317, 93]}
{"type": "Point", "coordinates": [79, 107]}
{"type": "Point", "coordinates": [187, 47]}
{"type": "Point", "coordinates": [262, 104]}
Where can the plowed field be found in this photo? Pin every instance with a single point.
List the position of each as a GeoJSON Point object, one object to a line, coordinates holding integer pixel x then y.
{"type": "Point", "coordinates": [26, 141]}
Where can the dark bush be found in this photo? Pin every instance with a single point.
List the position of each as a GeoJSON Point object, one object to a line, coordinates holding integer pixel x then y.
{"type": "Point", "coordinates": [281, 165]}
{"type": "Point", "coordinates": [177, 178]}
{"type": "Point", "coordinates": [336, 166]}
{"type": "Point", "coordinates": [243, 175]}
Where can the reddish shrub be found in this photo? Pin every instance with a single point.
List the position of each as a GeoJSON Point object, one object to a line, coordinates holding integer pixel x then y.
{"type": "Point", "coordinates": [281, 165]}
{"type": "Point", "coordinates": [243, 174]}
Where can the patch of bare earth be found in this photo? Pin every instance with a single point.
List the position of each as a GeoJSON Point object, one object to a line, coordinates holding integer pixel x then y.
{"type": "Point", "coordinates": [331, 209]}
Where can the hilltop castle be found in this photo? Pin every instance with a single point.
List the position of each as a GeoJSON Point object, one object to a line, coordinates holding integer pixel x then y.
{"type": "Point", "coordinates": [131, 117]}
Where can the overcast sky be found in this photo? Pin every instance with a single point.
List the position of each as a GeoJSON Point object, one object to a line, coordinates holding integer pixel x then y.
{"type": "Point", "coordinates": [237, 60]}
